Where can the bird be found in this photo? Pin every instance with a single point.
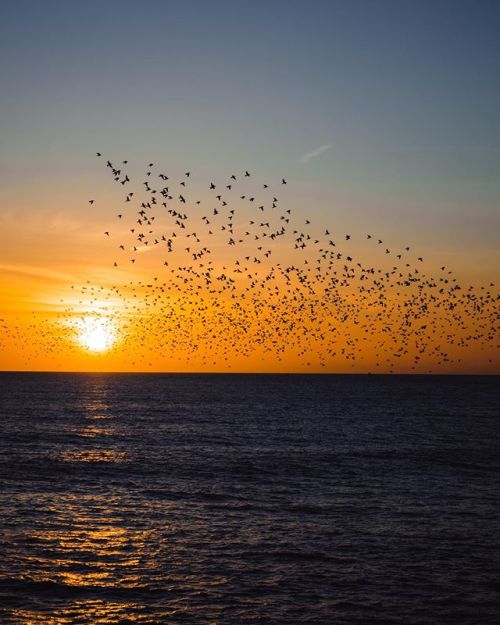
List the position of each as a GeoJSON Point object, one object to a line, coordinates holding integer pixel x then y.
{"type": "Point", "coordinates": [243, 274]}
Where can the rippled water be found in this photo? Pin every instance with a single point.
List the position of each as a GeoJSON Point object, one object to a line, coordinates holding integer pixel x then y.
{"type": "Point", "coordinates": [249, 499]}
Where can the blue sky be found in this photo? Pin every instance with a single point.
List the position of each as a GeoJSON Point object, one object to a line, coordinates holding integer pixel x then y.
{"type": "Point", "coordinates": [401, 98]}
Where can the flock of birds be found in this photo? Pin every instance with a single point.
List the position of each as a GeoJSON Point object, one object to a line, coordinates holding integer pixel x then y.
{"type": "Point", "coordinates": [239, 273]}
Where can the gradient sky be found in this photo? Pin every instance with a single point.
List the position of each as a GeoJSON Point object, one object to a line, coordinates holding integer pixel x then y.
{"type": "Point", "coordinates": [384, 114]}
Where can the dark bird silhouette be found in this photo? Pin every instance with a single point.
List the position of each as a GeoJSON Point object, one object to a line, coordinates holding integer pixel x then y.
{"type": "Point", "coordinates": [247, 275]}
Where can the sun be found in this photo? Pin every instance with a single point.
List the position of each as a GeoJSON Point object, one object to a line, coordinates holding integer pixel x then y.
{"type": "Point", "coordinates": [96, 334]}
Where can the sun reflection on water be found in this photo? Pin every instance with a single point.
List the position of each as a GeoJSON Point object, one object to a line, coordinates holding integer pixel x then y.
{"type": "Point", "coordinates": [94, 557]}
{"type": "Point", "coordinates": [95, 611]}
{"type": "Point", "coordinates": [92, 431]}
{"type": "Point", "coordinates": [93, 455]}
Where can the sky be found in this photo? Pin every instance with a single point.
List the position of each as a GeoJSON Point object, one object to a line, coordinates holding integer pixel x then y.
{"type": "Point", "coordinates": [382, 115]}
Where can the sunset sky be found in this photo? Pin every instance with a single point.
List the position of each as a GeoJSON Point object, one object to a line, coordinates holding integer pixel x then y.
{"type": "Point", "coordinates": [382, 116]}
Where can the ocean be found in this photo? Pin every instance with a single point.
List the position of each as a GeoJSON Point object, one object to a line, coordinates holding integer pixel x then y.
{"type": "Point", "coordinates": [249, 499]}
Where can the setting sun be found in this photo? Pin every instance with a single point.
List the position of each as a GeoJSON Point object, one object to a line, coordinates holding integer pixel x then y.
{"type": "Point", "coordinates": [97, 334]}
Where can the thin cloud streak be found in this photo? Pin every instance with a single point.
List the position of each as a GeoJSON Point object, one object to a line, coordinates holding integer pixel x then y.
{"type": "Point", "coordinates": [305, 158]}
{"type": "Point", "coordinates": [37, 272]}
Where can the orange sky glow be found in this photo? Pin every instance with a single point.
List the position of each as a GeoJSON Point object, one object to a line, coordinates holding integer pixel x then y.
{"type": "Point", "coordinates": [83, 293]}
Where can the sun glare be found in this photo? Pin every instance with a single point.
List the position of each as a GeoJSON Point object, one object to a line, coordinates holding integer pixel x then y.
{"type": "Point", "coordinates": [97, 334]}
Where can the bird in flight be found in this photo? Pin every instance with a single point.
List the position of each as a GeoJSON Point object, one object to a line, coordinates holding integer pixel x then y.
{"type": "Point", "coordinates": [242, 273]}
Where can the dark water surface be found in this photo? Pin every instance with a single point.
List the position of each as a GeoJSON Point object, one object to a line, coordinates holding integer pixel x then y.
{"type": "Point", "coordinates": [249, 499]}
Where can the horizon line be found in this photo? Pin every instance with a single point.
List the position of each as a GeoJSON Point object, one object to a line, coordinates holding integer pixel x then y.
{"type": "Point", "coordinates": [262, 373]}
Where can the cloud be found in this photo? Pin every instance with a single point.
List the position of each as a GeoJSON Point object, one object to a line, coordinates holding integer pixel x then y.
{"type": "Point", "coordinates": [314, 153]}
{"type": "Point", "coordinates": [37, 272]}
{"type": "Point", "coordinates": [144, 249]}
